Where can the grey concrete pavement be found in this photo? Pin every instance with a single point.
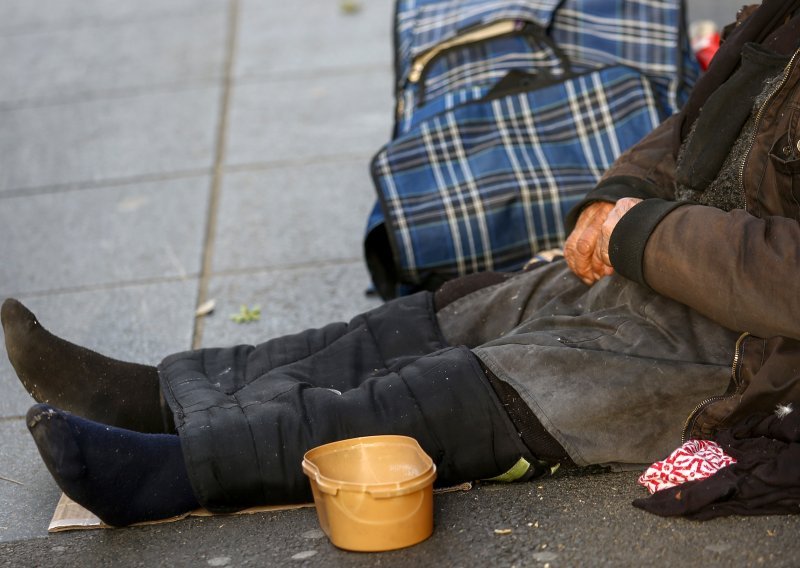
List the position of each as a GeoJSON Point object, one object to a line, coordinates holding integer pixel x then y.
{"type": "Point", "coordinates": [158, 153]}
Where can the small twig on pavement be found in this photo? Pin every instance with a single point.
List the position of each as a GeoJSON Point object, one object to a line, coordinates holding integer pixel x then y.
{"type": "Point", "coordinates": [11, 480]}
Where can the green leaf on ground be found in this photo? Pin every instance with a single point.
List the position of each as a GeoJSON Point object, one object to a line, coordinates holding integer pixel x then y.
{"type": "Point", "coordinates": [349, 7]}
{"type": "Point", "coordinates": [247, 315]}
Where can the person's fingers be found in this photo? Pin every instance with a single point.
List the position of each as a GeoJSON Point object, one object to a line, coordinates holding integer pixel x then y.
{"type": "Point", "coordinates": [580, 246]}
{"type": "Point", "coordinates": [579, 250]}
{"type": "Point", "coordinates": [603, 240]}
{"type": "Point", "coordinates": [609, 224]}
{"type": "Point", "coordinates": [597, 262]}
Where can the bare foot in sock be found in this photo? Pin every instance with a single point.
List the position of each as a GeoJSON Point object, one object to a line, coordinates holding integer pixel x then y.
{"type": "Point", "coordinates": [123, 477]}
{"type": "Point", "coordinates": [77, 379]}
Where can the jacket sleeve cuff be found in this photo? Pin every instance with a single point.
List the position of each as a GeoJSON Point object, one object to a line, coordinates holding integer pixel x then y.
{"type": "Point", "coordinates": [610, 190]}
{"type": "Point", "coordinates": [628, 241]}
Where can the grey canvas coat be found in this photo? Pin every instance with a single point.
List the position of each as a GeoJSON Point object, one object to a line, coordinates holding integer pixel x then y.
{"type": "Point", "coordinates": [612, 371]}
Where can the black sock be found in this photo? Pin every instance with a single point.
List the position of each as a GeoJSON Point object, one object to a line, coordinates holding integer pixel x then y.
{"type": "Point", "coordinates": [121, 476]}
{"type": "Point", "coordinates": [86, 383]}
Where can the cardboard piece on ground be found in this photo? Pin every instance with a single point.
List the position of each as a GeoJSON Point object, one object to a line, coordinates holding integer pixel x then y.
{"type": "Point", "coordinates": [70, 516]}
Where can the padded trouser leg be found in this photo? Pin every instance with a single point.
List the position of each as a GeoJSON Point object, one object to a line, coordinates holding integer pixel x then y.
{"type": "Point", "coordinates": [248, 451]}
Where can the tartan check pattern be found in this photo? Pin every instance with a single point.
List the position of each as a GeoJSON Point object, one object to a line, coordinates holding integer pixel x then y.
{"type": "Point", "coordinates": [469, 72]}
{"type": "Point", "coordinates": [422, 24]}
{"type": "Point", "coordinates": [486, 185]}
{"type": "Point", "coordinates": [475, 180]}
{"type": "Point", "coordinates": [486, 62]}
{"type": "Point", "coordinates": [643, 34]}
{"type": "Point", "coordinates": [647, 35]}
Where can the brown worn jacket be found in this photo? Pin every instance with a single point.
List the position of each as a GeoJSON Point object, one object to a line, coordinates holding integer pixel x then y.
{"type": "Point", "coordinates": [738, 268]}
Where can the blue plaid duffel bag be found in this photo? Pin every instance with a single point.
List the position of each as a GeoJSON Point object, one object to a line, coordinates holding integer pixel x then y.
{"type": "Point", "coordinates": [508, 112]}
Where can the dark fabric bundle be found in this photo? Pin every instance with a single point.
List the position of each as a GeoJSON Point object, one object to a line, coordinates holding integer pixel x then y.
{"type": "Point", "coordinates": [764, 481]}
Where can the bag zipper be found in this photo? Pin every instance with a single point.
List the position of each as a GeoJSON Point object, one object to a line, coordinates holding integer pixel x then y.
{"type": "Point", "coordinates": [737, 355]}
{"type": "Point", "coordinates": [421, 62]}
{"type": "Point", "coordinates": [497, 30]}
{"type": "Point", "coordinates": [422, 81]}
{"type": "Point", "coordinates": [484, 32]}
{"type": "Point", "coordinates": [568, 76]}
{"type": "Point", "coordinates": [760, 114]}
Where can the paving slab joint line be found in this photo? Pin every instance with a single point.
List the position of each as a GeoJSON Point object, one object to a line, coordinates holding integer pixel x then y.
{"type": "Point", "coordinates": [219, 159]}
{"type": "Point", "coordinates": [115, 285]}
{"type": "Point", "coordinates": [89, 24]}
{"type": "Point", "coordinates": [20, 418]}
{"type": "Point", "coordinates": [103, 183]}
{"type": "Point", "coordinates": [311, 73]}
{"type": "Point", "coordinates": [17, 192]}
{"type": "Point", "coordinates": [111, 93]}
{"type": "Point", "coordinates": [360, 157]}
{"type": "Point", "coordinates": [290, 266]}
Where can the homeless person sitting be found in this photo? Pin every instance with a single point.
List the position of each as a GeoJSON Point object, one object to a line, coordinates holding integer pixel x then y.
{"type": "Point", "coordinates": [680, 268]}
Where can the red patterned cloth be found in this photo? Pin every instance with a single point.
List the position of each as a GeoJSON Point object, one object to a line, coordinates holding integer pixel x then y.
{"type": "Point", "coordinates": [696, 459]}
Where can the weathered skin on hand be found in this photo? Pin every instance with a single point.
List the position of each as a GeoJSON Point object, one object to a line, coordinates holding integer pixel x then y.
{"type": "Point", "coordinates": [586, 249]}
{"type": "Point", "coordinates": [579, 250]}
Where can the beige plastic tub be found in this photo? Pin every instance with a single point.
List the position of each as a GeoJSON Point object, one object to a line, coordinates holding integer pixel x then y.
{"type": "Point", "coordinates": [372, 493]}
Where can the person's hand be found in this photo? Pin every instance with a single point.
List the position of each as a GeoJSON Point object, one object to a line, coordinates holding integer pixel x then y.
{"type": "Point", "coordinates": [586, 249]}
{"type": "Point", "coordinates": [620, 208]}
{"type": "Point", "coordinates": [579, 250]}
